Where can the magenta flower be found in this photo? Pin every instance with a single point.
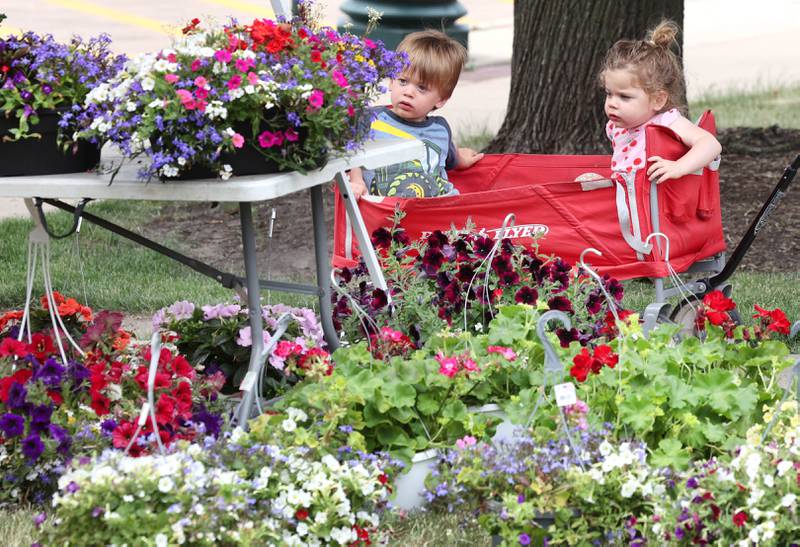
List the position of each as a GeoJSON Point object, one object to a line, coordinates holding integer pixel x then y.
{"type": "Point", "coordinates": [252, 77]}
{"type": "Point", "coordinates": [234, 82]}
{"type": "Point", "coordinates": [291, 135]}
{"type": "Point", "coordinates": [186, 99]}
{"type": "Point", "coordinates": [268, 139]}
{"type": "Point", "coordinates": [316, 99]}
{"type": "Point", "coordinates": [447, 365]}
{"type": "Point", "coordinates": [507, 353]}
{"type": "Point", "coordinates": [243, 65]}
{"type": "Point", "coordinates": [171, 78]}
{"type": "Point", "coordinates": [196, 64]}
{"type": "Point", "coordinates": [223, 56]}
{"type": "Point", "coordinates": [339, 78]}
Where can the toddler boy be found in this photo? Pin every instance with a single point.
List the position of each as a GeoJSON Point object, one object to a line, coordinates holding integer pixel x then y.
{"type": "Point", "coordinates": [435, 63]}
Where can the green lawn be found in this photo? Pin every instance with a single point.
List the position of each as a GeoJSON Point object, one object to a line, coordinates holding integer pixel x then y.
{"type": "Point", "coordinates": [758, 106]}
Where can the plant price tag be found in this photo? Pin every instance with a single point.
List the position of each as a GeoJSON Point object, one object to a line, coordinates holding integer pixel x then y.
{"type": "Point", "coordinates": [143, 414]}
{"type": "Point", "coordinates": [565, 394]}
{"type": "Point", "coordinates": [249, 381]}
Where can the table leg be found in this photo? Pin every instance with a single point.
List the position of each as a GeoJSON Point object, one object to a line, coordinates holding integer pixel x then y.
{"type": "Point", "coordinates": [323, 268]}
{"type": "Point", "coordinates": [254, 308]}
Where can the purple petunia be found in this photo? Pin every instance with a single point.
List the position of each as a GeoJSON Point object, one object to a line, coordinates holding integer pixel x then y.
{"type": "Point", "coordinates": [12, 425]}
{"type": "Point", "coordinates": [32, 447]}
{"type": "Point", "coordinates": [16, 396]}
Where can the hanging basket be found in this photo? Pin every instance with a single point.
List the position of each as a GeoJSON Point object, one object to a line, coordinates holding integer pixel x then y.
{"type": "Point", "coordinates": [43, 156]}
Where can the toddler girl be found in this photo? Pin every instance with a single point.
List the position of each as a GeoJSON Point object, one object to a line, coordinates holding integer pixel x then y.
{"type": "Point", "coordinates": [644, 85]}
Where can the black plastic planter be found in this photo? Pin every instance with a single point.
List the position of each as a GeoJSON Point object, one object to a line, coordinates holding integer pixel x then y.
{"type": "Point", "coordinates": [43, 156]}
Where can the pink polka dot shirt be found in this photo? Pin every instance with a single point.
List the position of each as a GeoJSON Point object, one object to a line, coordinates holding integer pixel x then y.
{"type": "Point", "coordinates": [628, 144]}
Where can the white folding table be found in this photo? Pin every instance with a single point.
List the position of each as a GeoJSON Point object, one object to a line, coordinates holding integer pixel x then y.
{"type": "Point", "coordinates": [245, 190]}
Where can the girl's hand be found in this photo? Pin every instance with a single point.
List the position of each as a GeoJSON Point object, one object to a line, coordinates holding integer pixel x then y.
{"type": "Point", "coordinates": [467, 157]}
{"type": "Point", "coordinates": [662, 169]}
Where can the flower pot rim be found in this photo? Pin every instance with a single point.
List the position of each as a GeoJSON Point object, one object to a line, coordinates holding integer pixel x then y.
{"type": "Point", "coordinates": [488, 407]}
{"type": "Point", "coordinates": [425, 455]}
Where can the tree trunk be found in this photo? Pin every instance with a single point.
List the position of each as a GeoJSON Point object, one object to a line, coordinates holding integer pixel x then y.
{"type": "Point", "coordinates": [555, 105]}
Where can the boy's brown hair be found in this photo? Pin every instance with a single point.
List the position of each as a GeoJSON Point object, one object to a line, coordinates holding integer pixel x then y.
{"type": "Point", "coordinates": [653, 63]}
{"type": "Point", "coordinates": [435, 59]}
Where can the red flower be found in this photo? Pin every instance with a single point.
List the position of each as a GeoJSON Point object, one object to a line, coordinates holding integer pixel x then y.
{"type": "Point", "coordinates": [100, 404]}
{"type": "Point", "coordinates": [165, 409]}
{"type": "Point", "coordinates": [10, 316]}
{"type": "Point", "coordinates": [715, 512]}
{"type": "Point", "coordinates": [13, 348]}
{"type": "Point", "coordinates": [301, 514]}
{"type": "Point", "coordinates": [181, 367]}
{"type": "Point", "coordinates": [717, 301]}
{"type": "Point", "coordinates": [606, 356]}
{"type": "Point", "coordinates": [775, 319]}
{"type": "Point", "coordinates": [582, 364]}
{"type": "Point", "coordinates": [383, 479]}
{"type": "Point", "coordinates": [123, 434]}
{"type": "Point", "coordinates": [41, 346]}
{"type": "Point", "coordinates": [739, 519]}
{"type": "Point", "coordinates": [162, 379]}
{"type": "Point", "coordinates": [55, 396]}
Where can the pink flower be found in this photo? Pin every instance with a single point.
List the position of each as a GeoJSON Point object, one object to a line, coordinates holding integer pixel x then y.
{"type": "Point", "coordinates": [237, 140]}
{"type": "Point", "coordinates": [245, 337]}
{"type": "Point", "coordinates": [291, 136]}
{"type": "Point", "coordinates": [196, 64]}
{"type": "Point", "coordinates": [370, 44]}
{"type": "Point", "coordinates": [268, 139]}
{"type": "Point", "coordinates": [469, 365]}
{"type": "Point", "coordinates": [172, 58]}
{"type": "Point", "coordinates": [223, 56]}
{"type": "Point", "coordinates": [234, 82]}
{"type": "Point", "coordinates": [186, 98]}
{"type": "Point", "coordinates": [315, 100]}
{"type": "Point", "coordinates": [507, 353]}
{"type": "Point", "coordinates": [201, 82]}
{"type": "Point", "coordinates": [339, 78]}
{"type": "Point", "coordinates": [466, 441]}
{"type": "Point", "coordinates": [252, 77]}
{"type": "Point", "coordinates": [171, 78]}
{"type": "Point", "coordinates": [201, 93]}
{"type": "Point", "coordinates": [243, 65]}
{"type": "Point", "coordinates": [351, 111]}
{"type": "Point", "coordinates": [447, 365]}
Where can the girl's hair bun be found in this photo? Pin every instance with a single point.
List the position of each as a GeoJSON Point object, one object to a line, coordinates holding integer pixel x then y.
{"type": "Point", "coordinates": [664, 34]}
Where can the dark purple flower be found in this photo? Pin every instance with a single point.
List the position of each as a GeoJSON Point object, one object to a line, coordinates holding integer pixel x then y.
{"type": "Point", "coordinates": [526, 295]}
{"type": "Point", "coordinates": [558, 272]}
{"type": "Point", "coordinates": [432, 261]}
{"type": "Point", "coordinates": [78, 372]}
{"type": "Point", "coordinates": [12, 425]}
{"type": "Point", "coordinates": [502, 263]}
{"type": "Point", "coordinates": [345, 274]}
{"type": "Point", "coordinates": [61, 436]}
{"type": "Point", "coordinates": [509, 278]}
{"type": "Point", "coordinates": [212, 422]}
{"type": "Point", "coordinates": [560, 303]}
{"type": "Point", "coordinates": [614, 288]}
{"type": "Point", "coordinates": [437, 239]}
{"type": "Point", "coordinates": [16, 396]}
{"type": "Point", "coordinates": [381, 238]}
{"type": "Point", "coordinates": [483, 246]}
{"type": "Point", "coordinates": [594, 302]}
{"type": "Point", "coordinates": [108, 426]}
{"type": "Point", "coordinates": [692, 482]}
{"type": "Point", "coordinates": [72, 487]}
{"type": "Point", "coordinates": [401, 237]}
{"type": "Point", "coordinates": [32, 447]}
{"type": "Point", "coordinates": [566, 336]}
{"type": "Point", "coordinates": [378, 299]}
{"type": "Point", "coordinates": [50, 373]}
{"type": "Point", "coordinates": [465, 273]}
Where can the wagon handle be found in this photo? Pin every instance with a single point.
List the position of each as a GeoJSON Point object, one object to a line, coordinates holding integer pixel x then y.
{"type": "Point", "coordinates": [758, 223]}
{"type": "Point", "coordinates": [666, 243]}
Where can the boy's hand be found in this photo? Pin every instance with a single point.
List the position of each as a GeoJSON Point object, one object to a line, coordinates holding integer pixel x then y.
{"type": "Point", "coordinates": [358, 188]}
{"type": "Point", "coordinates": [467, 157]}
{"type": "Point", "coordinates": [662, 169]}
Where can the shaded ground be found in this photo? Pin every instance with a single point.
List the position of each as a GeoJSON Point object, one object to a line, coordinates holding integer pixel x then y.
{"type": "Point", "coordinates": [753, 161]}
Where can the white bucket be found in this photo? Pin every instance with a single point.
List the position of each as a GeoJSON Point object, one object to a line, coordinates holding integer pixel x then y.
{"type": "Point", "coordinates": [410, 485]}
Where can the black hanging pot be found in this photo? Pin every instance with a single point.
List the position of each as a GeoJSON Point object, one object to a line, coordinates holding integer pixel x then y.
{"type": "Point", "coordinates": [43, 156]}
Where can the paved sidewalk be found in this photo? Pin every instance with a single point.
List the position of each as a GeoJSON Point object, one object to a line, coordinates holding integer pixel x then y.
{"type": "Point", "coordinates": [728, 43]}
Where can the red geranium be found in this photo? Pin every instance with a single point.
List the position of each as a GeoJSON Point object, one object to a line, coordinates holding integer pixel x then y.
{"type": "Point", "coordinates": [10, 347]}
{"type": "Point", "coordinates": [775, 320]}
{"type": "Point", "coordinates": [739, 519]}
{"type": "Point", "coordinates": [301, 514]}
{"type": "Point", "coordinates": [584, 362]}
{"type": "Point", "coordinates": [19, 377]}
{"type": "Point", "coordinates": [581, 365]}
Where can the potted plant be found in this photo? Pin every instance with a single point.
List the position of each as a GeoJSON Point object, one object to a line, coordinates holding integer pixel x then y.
{"type": "Point", "coordinates": [43, 85]}
{"type": "Point", "coordinates": [218, 337]}
{"type": "Point", "coordinates": [243, 99]}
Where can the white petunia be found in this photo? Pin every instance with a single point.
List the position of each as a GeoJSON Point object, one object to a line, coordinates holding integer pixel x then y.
{"type": "Point", "coordinates": [148, 84]}
{"type": "Point", "coordinates": [161, 540]}
{"type": "Point", "coordinates": [288, 425]}
{"type": "Point", "coordinates": [783, 467]}
{"type": "Point", "coordinates": [165, 484]}
{"type": "Point", "coordinates": [629, 488]}
{"type": "Point", "coordinates": [788, 500]}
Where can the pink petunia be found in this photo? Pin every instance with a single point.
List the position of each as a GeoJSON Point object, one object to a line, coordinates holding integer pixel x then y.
{"type": "Point", "coordinates": [252, 77]}
{"type": "Point", "coordinates": [172, 58]}
{"type": "Point", "coordinates": [370, 44]}
{"type": "Point", "coordinates": [201, 82]}
{"type": "Point", "coordinates": [243, 65]}
{"type": "Point", "coordinates": [223, 56]}
{"type": "Point", "coordinates": [316, 99]}
{"type": "Point", "coordinates": [267, 139]}
{"type": "Point", "coordinates": [234, 82]}
{"type": "Point", "coordinates": [339, 78]}
{"type": "Point", "coordinates": [201, 93]}
{"type": "Point", "coordinates": [351, 111]}
{"type": "Point", "coordinates": [291, 135]}
{"type": "Point", "coordinates": [171, 78]}
{"type": "Point", "coordinates": [237, 140]}
{"type": "Point", "coordinates": [196, 64]}
{"type": "Point", "coordinates": [186, 98]}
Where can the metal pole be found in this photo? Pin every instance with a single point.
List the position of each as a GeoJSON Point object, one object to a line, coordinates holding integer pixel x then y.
{"type": "Point", "coordinates": [323, 268]}
{"type": "Point", "coordinates": [254, 308]}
